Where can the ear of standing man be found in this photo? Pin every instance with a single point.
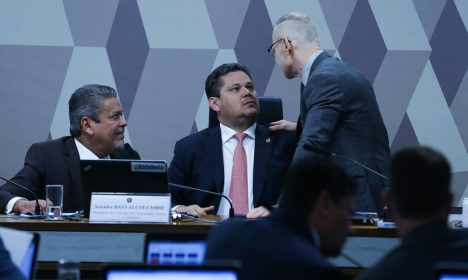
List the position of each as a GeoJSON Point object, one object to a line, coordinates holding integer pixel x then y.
{"type": "Point", "coordinates": [338, 109]}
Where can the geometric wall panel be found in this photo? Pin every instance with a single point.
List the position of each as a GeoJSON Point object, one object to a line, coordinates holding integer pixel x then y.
{"type": "Point", "coordinates": [167, 98]}
{"type": "Point", "coordinates": [177, 24]}
{"type": "Point", "coordinates": [158, 53]}
{"type": "Point", "coordinates": [449, 55]}
{"type": "Point", "coordinates": [34, 23]}
{"type": "Point", "coordinates": [433, 123]}
{"type": "Point", "coordinates": [395, 83]}
{"type": "Point", "coordinates": [87, 66]}
{"type": "Point", "coordinates": [90, 21]}
{"type": "Point", "coordinates": [31, 79]}
{"type": "Point", "coordinates": [362, 44]}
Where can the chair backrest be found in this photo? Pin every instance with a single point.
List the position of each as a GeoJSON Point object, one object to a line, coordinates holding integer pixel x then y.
{"type": "Point", "coordinates": [271, 109]}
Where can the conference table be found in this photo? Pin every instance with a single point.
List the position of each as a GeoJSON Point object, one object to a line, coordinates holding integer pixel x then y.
{"type": "Point", "coordinates": [95, 244]}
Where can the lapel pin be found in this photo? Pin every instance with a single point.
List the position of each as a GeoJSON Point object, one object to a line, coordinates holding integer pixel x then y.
{"type": "Point", "coordinates": [268, 140]}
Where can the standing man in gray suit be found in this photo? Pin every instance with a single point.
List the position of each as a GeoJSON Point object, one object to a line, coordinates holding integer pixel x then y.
{"type": "Point", "coordinates": [338, 111]}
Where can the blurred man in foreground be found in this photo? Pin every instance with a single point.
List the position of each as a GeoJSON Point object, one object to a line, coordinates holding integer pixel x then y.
{"type": "Point", "coordinates": [311, 222]}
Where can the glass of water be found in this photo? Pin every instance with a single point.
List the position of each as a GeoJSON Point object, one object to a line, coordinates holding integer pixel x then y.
{"type": "Point", "coordinates": [54, 202]}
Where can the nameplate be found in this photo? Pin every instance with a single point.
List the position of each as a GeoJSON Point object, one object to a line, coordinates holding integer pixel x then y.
{"type": "Point", "coordinates": [129, 208]}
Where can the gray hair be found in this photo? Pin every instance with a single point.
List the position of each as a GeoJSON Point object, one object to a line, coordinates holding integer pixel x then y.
{"type": "Point", "coordinates": [87, 102]}
{"type": "Point", "coordinates": [298, 28]}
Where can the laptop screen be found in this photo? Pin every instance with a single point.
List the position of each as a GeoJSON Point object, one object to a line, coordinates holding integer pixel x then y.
{"type": "Point", "coordinates": [28, 263]}
{"type": "Point", "coordinates": [175, 248]}
{"type": "Point", "coordinates": [451, 271]}
{"type": "Point", "coordinates": [172, 273]}
{"type": "Point", "coordinates": [124, 176]}
{"type": "Point", "coordinates": [23, 247]}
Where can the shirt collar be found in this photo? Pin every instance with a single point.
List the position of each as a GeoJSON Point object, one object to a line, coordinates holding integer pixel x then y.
{"type": "Point", "coordinates": [227, 132]}
{"type": "Point", "coordinates": [84, 152]}
{"type": "Point", "coordinates": [308, 66]}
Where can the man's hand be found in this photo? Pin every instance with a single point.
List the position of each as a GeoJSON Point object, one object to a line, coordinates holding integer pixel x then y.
{"type": "Point", "coordinates": [28, 206]}
{"type": "Point", "coordinates": [258, 212]}
{"type": "Point", "coordinates": [282, 125]}
{"type": "Point", "coordinates": [195, 210]}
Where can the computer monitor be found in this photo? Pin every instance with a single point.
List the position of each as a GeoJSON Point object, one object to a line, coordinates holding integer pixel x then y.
{"type": "Point", "coordinates": [174, 248]}
{"type": "Point", "coordinates": [23, 247]}
{"type": "Point", "coordinates": [173, 272]}
{"type": "Point", "coordinates": [122, 176]}
{"type": "Point", "coordinates": [28, 263]}
{"type": "Point", "coordinates": [451, 271]}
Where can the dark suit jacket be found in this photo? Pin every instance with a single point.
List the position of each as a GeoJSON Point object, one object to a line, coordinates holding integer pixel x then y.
{"type": "Point", "coordinates": [53, 162]}
{"type": "Point", "coordinates": [7, 269]}
{"type": "Point", "coordinates": [277, 247]}
{"type": "Point", "coordinates": [419, 251]}
{"type": "Point", "coordinates": [198, 162]}
{"type": "Point", "coordinates": [339, 114]}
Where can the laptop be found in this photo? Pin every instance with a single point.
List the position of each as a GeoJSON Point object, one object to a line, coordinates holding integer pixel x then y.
{"type": "Point", "coordinates": [173, 272]}
{"type": "Point", "coordinates": [174, 248]}
{"type": "Point", "coordinates": [451, 271]}
{"type": "Point", "coordinates": [23, 247]}
{"type": "Point", "coordinates": [122, 176]}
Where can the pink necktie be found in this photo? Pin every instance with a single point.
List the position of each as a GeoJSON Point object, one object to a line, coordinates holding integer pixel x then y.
{"type": "Point", "coordinates": [238, 189]}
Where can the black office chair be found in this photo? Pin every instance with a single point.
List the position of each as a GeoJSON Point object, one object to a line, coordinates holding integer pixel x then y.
{"type": "Point", "coordinates": [271, 109]}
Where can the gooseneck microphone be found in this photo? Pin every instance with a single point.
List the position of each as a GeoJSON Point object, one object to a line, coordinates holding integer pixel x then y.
{"type": "Point", "coordinates": [37, 209]}
{"type": "Point", "coordinates": [331, 154]}
{"type": "Point", "coordinates": [231, 208]}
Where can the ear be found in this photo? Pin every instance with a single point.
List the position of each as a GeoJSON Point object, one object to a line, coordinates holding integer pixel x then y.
{"type": "Point", "coordinates": [213, 102]}
{"type": "Point", "coordinates": [323, 204]}
{"type": "Point", "coordinates": [87, 125]}
{"type": "Point", "coordinates": [288, 45]}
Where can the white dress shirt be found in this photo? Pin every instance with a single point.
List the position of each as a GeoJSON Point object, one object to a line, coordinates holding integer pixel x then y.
{"type": "Point", "coordinates": [229, 143]}
{"type": "Point", "coordinates": [308, 66]}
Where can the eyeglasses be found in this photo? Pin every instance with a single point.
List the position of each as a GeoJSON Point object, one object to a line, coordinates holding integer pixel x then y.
{"type": "Point", "coordinates": [271, 49]}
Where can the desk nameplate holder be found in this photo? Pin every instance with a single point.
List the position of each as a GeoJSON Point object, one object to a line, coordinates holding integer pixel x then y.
{"type": "Point", "coordinates": [109, 207]}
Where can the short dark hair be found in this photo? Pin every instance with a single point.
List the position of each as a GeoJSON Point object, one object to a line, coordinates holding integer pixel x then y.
{"type": "Point", "coordinates": [419, 182]}
{"type": "Point", "coordinates": [214, 83]}
{"type": "Point", "coordinates": [87, 102]}
{"type": "Point", "coordinates": [307, 178]}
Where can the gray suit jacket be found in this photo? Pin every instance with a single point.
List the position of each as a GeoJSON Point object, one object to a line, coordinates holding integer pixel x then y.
{"type": "Point", "coordinates": [339, 114]}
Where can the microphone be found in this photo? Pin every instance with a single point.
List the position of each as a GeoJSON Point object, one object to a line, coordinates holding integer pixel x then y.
{"type": "Point", "coordinates": [231, 209]}
{"type": "Point", "coordinates": [331, 154]}
{"type": "Point", "coordinates": [37, 209]}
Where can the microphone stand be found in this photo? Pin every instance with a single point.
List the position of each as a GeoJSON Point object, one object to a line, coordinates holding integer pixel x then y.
{"type": "Point", "coordinates": [37, 209]}
{"type": "Point", "coordinates": [231, 209]}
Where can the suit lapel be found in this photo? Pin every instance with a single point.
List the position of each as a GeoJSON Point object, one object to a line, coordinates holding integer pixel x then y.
{"type": "Point", "coordinates": [73, 161]}
{"type": "Point", "coordinates": [213, 143]}
{"type": "Point", "coordinates": [303, 108]}
{"type": "Point", "coordinates": [263, 147]}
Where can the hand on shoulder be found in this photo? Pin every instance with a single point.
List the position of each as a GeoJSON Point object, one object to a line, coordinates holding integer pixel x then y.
{"type": "Point", "coordinates": [282, 125]}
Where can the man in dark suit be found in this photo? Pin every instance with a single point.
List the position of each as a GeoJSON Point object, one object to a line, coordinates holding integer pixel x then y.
{"type": "Point", "coordinates": [338, 111]}
{"type": "Point", "coordinates": [311, 222]}
{"type": "Point", "coordinates": [419, 200]}
{"type": "Point", "coordinates": [8, 270]}
{"type": "Point", "coordinates": [97, 128]}
{"type": "Point", "coordinates": [205, 159]}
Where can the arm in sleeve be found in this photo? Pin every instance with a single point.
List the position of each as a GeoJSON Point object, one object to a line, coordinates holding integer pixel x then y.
{"type": "Point", "coordinates": [323, 99]}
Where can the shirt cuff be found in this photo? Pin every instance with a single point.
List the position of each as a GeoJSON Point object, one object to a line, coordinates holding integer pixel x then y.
{"type": "Point", "coordinates": [175, 207]}
{"type": "Point", "coordinates": [11, 204]}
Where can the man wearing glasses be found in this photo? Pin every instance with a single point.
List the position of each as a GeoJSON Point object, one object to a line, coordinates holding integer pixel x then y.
{"type": "Point", "coordinates": [338, 110]}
